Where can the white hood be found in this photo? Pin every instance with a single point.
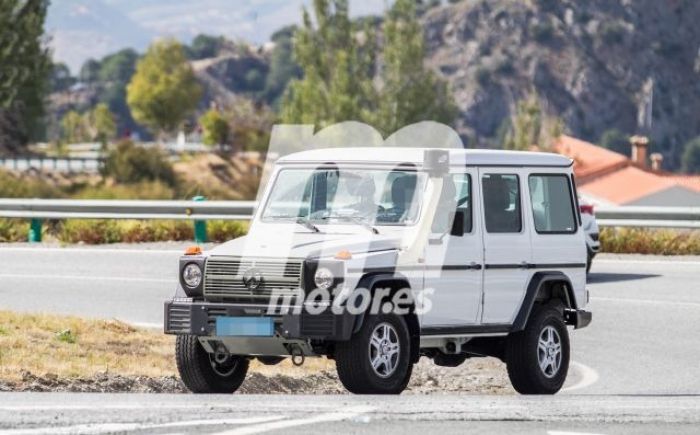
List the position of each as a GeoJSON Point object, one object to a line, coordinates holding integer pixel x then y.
{"type": "Point", "coordinates": [302, 244]}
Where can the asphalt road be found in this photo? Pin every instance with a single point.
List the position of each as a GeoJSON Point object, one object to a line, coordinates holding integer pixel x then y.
{"type": "Point", "coordinates": [636, 366]}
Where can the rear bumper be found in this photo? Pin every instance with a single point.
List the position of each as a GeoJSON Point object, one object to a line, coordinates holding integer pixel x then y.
{"type": "Point", "coordinates": [578, 318]}
{"type": "Point", "coordinates": [199, 318]}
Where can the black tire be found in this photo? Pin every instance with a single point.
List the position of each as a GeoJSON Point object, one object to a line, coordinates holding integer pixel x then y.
{"type": "Point", "coordinates": [353, 359]}
{"type": "Point", "coordinates": [270, 360]}
{"type": "Point", "coordinates": [523, 354]}
{"type": "Point", "coordinates": [197, 370]}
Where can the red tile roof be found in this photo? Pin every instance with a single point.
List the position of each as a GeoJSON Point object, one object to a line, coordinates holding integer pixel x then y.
{"type": "Point", "coordinates": [613, 177]}
{"type": "Point", "coordinates": [589, 159]}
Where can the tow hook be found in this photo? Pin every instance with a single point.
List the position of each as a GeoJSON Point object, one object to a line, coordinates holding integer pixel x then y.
{"type": "Point", "coordinates": [297, 355]}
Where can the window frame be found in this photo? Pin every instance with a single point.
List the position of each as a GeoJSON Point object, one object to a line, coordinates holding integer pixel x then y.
{"type": "Point", "coordinates": [572, 204]}
{"type": "Point", "coordinates": [471, 198]}
{"type": "Point", "coordinates": [520, 201]}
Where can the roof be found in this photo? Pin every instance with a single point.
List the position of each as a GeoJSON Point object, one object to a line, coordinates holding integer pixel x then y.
{"type": "Point", "coordinates": [691, 182]}
{"type": "Point", "coordinates": [626, 185]}
{"type": "Point", "coordinates": [589, 159]}
{"type": "Point", "coordinates": [397, 155]}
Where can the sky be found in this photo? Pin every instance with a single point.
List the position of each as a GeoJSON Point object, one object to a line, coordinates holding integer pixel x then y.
{"type": "Point", "coordinates": [83, 29]}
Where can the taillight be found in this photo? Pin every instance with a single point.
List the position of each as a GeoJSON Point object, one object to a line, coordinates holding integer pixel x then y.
{"type": "Point", "coordinates": [587, 209]}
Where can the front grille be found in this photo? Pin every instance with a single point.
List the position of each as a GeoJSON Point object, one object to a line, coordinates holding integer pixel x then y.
{"type": "Point", "coordinates": [223, 278]}
{"type": "Point", "coordinates": [179, 318]}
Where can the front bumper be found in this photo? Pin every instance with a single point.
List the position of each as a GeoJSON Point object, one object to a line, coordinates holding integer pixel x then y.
{"type": "Point", "coordinates": [578, 318]}
{"type": "Point", "coordinates": [199, 318]}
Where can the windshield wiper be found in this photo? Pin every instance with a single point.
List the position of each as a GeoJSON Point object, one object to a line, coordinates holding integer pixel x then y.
{"type": "Point", "coordinates": [356, 220]}
{"type": "Point", "coordinates": [308, 224]}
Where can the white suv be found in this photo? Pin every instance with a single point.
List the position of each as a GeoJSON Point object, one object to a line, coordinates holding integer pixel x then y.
{"type": "Point", "coordinates": [376, 257]}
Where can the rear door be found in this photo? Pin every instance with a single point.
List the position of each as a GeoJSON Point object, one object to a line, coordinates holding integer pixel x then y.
{"type": "Point", "coordinates": [506, 242]}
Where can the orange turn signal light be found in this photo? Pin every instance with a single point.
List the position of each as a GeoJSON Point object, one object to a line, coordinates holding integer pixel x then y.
{"type": "Point", "coordinates": [193, 250]}
{"type": "Point", "coordinates": [343, 255]}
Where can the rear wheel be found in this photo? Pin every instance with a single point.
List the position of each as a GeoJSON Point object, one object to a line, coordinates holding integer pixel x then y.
{"type": "Point", "coordinates": [376, 360]}
{"type": "Point", "coordinates": [205, 373]}
{"type": "Point", "coordinates": [538, 357]}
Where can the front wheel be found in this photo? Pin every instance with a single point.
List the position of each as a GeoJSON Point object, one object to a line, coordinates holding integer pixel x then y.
{"type": "Point", "coordinates": [205, 373]}
{"type": "Point", "coordinates": [376, 360]}
{"type": "Point", "coordinates": [538, 357]}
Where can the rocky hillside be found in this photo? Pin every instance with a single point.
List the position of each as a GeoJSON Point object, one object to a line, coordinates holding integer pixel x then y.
{"type": "Point", "coordinates": [588, 61]}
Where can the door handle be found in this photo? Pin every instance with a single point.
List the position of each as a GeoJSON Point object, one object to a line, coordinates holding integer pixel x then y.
{"type": "Point", "coordinates": [474, 265]}
{"type": "Point", "coordinates": [526, 265]}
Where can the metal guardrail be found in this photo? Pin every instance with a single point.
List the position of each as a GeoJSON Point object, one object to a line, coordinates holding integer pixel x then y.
{"type": "Point", "coordinates": [122, 209]}
{"type": "Point", "coordinates": [649, 217]}
{"type": "Point", "coordinates": [201, 211]}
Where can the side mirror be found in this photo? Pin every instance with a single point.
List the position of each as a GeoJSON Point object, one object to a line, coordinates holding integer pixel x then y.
{"type": "Point", "coordinates": [457, 224]}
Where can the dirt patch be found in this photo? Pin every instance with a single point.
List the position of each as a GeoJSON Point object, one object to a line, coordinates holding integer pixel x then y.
{"type": "Point", "coordinates": [474, 377]}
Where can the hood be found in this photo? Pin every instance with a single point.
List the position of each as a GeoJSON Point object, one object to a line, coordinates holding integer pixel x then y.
{"type": "Point", "coordinates": [305, 244]}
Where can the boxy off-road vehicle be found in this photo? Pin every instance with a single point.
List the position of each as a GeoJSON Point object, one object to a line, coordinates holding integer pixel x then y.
{"type": "Point", "coordinates": [376, 258]}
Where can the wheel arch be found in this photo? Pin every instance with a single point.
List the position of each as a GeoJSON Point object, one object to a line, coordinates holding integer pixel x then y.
{"type": "Point", "coordinates": [544, 286]}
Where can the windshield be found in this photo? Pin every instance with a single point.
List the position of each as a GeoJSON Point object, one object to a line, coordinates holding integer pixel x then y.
{"type": "Point", "coordinates": [328, 196]}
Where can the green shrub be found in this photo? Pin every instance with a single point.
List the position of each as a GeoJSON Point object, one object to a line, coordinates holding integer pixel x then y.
{"type": "Point", "coordinates": [66, 336]}
{"type": "Point", "coordinates": [221, 231]}
{"type": "Point", "coordinates": [542, 31]}
{"type": "Point", "coordinates": [650, 241]}
{"type": "Point", "coordinates": [13, 230]}
{"type": "Point", "coordinates": [129, 164]}
{"type": "Point", "coordinates": [611, 32]}
{"type": "Point", "coordinates": [91, 232]}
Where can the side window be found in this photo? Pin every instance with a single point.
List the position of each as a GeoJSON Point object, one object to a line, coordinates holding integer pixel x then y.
{"type": "Point", "coordinates": [456, 195]}
{"type": "Point", "coordinates": [552, 204]}
{"type": "Point", "coordinates": [502, 203]}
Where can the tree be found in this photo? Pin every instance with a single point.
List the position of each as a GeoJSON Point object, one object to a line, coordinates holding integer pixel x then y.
{"type": "Point", "coordinates": [24, 72]}
{"type": "Point", "coordinates": [215, 128]}
{"type": "Point", "coordinates": [616, 140]}
{"type": "Point", "coordinates": [101, 124]}
{"type": "Point", "coordinates": [530, 126]}
{"type": "Point", "coordinates": [73, 127]}
{"type": "Point", "coordinates": [164, 90]}
{"type": "Point", "coordinates": [411, 92]}
{"type": "Point", "coordinates": [337, 66]}
{"type": "Point", "coordinates": [691, 157]}
{"type": "Point", "coordinates": [60, 79]}
{"type": "Point", "coordinates": [205, 46]}
{"type": "Point", "coordinates": [128, 163]}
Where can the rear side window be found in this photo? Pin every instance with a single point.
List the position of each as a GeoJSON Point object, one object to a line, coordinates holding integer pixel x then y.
{"type": "Point", "coordinates": [502, 203]}
{"type": "Point", "coordinates": [552, 204]}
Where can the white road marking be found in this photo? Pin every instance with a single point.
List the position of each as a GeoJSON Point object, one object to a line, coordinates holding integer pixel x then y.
{"type": "Point", "coordinates": [588, 377]}
{"type": "Point", "coordinates": [664, 262]}
{"type": "Point", "coordinates": [346, 414]}
{"type": "Point", "coordinates": [558, 432]}
{"type": "Point", "coordinates": [648, 302]}
{"type": "Point", "coordinates": [88, 278]}
{"type": "Point", "coordinates": [102, 428]}
{"type": "Point", "coordinates": [131, 251]}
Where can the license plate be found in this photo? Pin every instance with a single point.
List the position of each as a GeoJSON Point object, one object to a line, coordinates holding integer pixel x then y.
{"type": "Point", "coordinates": [245, 326]}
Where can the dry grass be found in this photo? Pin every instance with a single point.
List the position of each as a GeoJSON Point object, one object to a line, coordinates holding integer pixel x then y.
{"type": "Point", "coordinates": [650, 241]}
{"type": "Point", "coordinates": [70, 347]}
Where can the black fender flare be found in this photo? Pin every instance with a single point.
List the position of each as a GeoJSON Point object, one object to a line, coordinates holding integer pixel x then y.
{"type": "Point", "coordinates": [538, 280]}
{"type": "Point", "coordinates": [371, 281]}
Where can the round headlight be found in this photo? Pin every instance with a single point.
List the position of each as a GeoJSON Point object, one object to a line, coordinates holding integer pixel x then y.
{"type": "Point", "coordinates": [192, 275]}
{"type": "Point", "coordinates": [323, 278]}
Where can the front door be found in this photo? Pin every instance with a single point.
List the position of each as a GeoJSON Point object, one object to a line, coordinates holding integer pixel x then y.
{"type": "Point", "coordinates": [453, 265]}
